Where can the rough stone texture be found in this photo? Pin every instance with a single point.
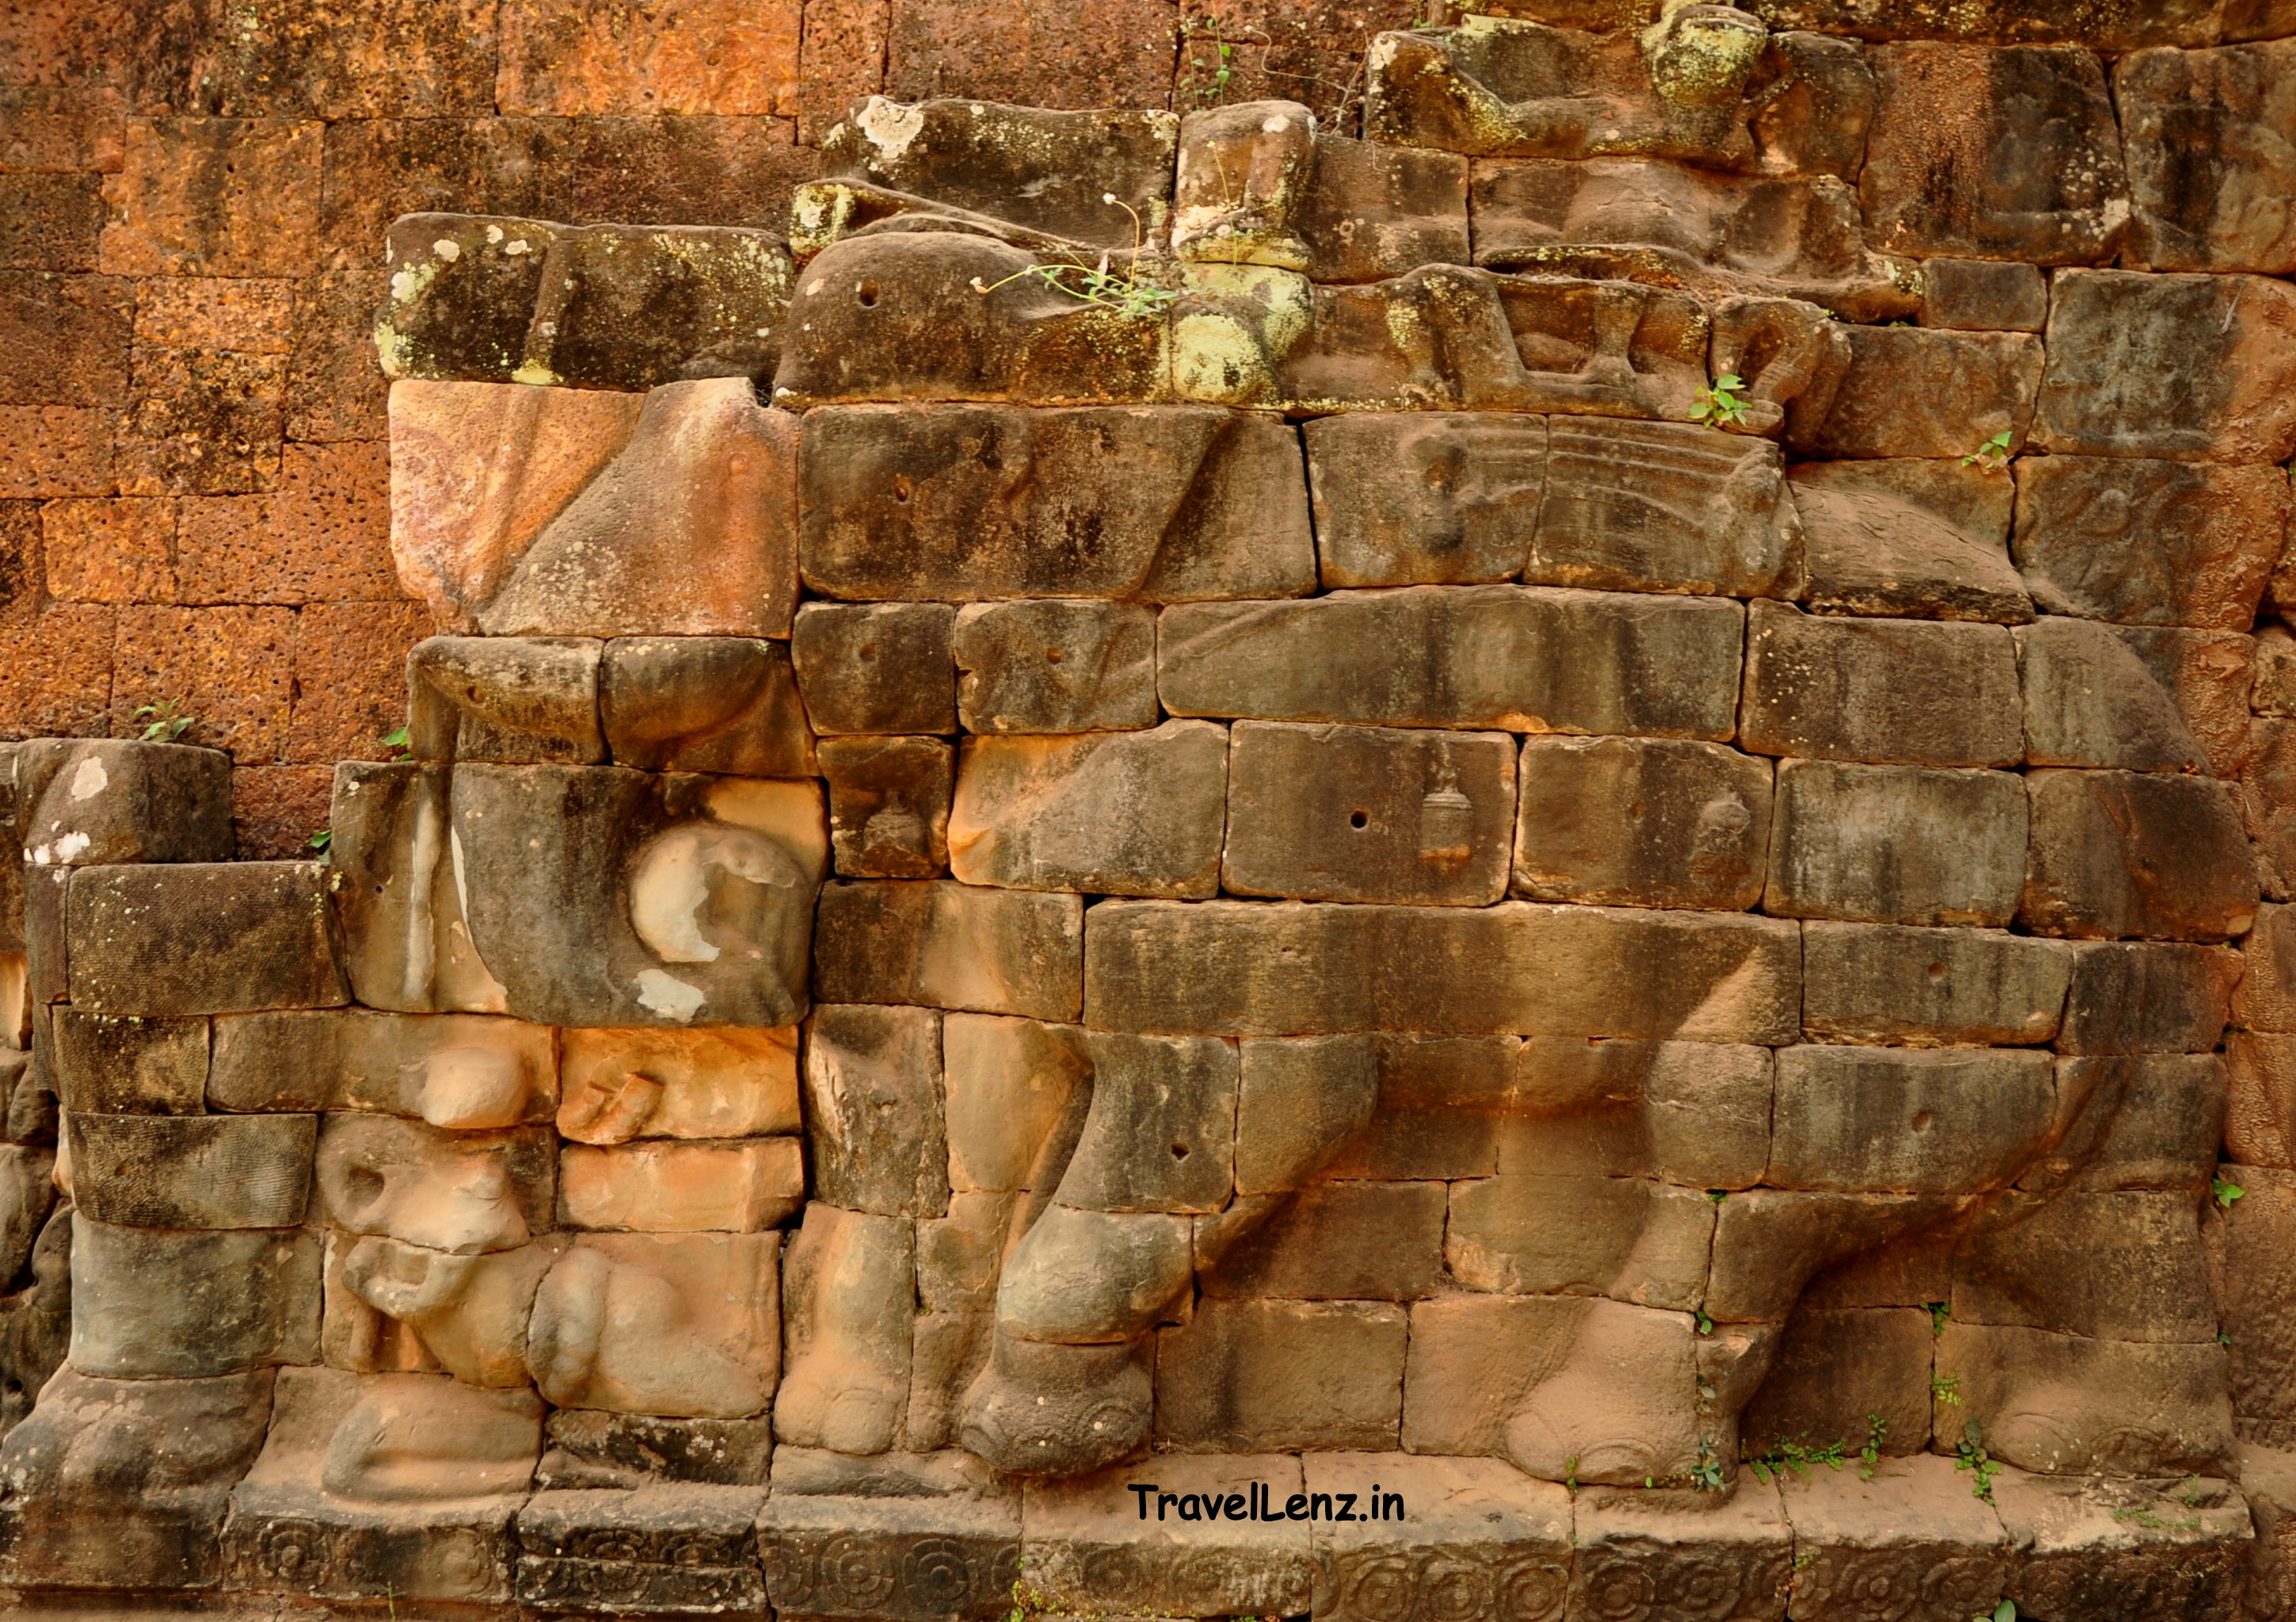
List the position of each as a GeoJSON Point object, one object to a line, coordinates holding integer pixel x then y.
{"type": "Point", "coordinates": [1641, 822]}
{"type": "Point", "coordinates": [1912, 392]}
{"type": "Point", "coordinates": [889, 804]}
{"type": "Point", "coordinates": [2117, 854]}
{"type": "Point", "coordinates": [2200, 159]}
{"type": "Point", "coordinates": [951, 945]}
{"type": "Point", "coordinates": [1054, 665]}
{"type": "Point", "coordinates": [885, 667]}
{"type": "Point", "coordinates": [1897, 844]}
{"type": "Point", "coordinates": [1930, 987]}
{"type": "Point", "coordinates": [244, 935]}
{"type": "Point", "coordinates": [1880, 691]}
{"type": "Point", "coordinates": [2148, 542]}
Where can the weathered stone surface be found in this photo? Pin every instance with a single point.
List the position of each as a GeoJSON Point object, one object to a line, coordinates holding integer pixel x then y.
{"type": "Point", "coordinates": [240, 936]}
{"type": "Point", "coordinates": [1081, 1552]}
{"type": "Point", "coordinates": [883, 667]}
{"type": "Point", "coordinates": [1907, 1120]}
{"type": "Point", "coordinates": [1107, 813]}
{"type": "Point", "coordinates": [459, 1192]}
{"type": "Point", "coordinates": [683, 1188]}
{"type": "Point", "coordinates": [2067, 1404]}
{"type": "Point", "coordinates": [889, 804]}
{"type": "Point", "coordinates": [951, 945]}
{"type": "Point", "coordinates": [1663, 506]}
{"type": "Point", "coordinates": [901, 1538]}
{"type": "Point", "coordinates": [661, 1547]}
{"type": "Point", "coordinates": [1161, 1133]}
{"type": "Point", "coordinates": [1621, 1237]}
{"type": "Point", "coordinates": [683, 1324]}
{"type": "Point", "coordinates": [2266, 995]}
{"type": "Point", "coordinates": [723, 705]}
{"type": "Point", "coordinates": [850, 1286]}
{"type": "Point", "coordinates": [727, 1083]}
{"type": "Point", "coordinates": [1532, 659]}
{"type": "Point", "coordinates": [457, 1072]}
{"type": "Point", "coordinates": [1922, 392]}
{"type": "Point", "coordinates": [461, 296]}
{"type": "Point", "coordinates": [2139, 1121]}
{"type": "Point", "coordinates": [1697, 1114]}
{"type": "Point", "coordinates": [1244, 1375]}
{"type": "Point", "coordinates": [2149, 542]}
{"type": "Point", "coordinates": [1368, 814]}
{"type": "Point", "coordinates": [2203, 165]}
{"type": "Point", "coordinates": [1348, 1240]}
{"type": "Point", "coordinates": [1375, 211]}
{"type": "Point", "coordinates": [1244, 171]}
{"type": "Point", "coordinates": [1010, 1086]}
{"type": "Point", "coordinates": [1079, 1288]}
{"type": "Point", "coordinates": [1897, 691]}
{"type": "Point", "coordinates": [128, 1066]}
{"type": "Point", "coordinates": [631, 306]}
{"type": "Point", "coordinates": [1638, 1552]}
{"type": "Point", "coordinates": [1882, 539]}
{"type": "Point", "coordinates": [2260, 1105]}
{"type": "Point", "coordinates": [2257, 1287]}
{"type": "Point", "coordinates": [2130, 1550]}
{"type": "Point", "coordinates": [1458, 1532]}
{"type": "Point", "coordinates": [2116, 342]}
{"type": "Point", "coordinates": [1055, 665]}
{"type": "Point", "coordinates": [192, 1171]}
{"type": "Point", "coordinates": [237, 1299]}
{"type": "Point", "coordinates": [2127, 997]}
{"type": "Point", "coordinates": [1162, 504]}
{"type": "Point", "coordinates": [1984, 295]}
{"type": "Point", "coordinates": [590, 1448]}
{"type": "Point", "coordinates": [1912, 1538]}
{"type": "Point", "coordinates": [2117, 854]}
{"type": "Point", "coordinates": [504, 699]}
{"type": "Point", "coordinates": [1284, 967]}
{"type": "Point", "coordinates": [873, 1077]}
{"type": "Point", "coordinates": [2090, 700]}
{"type": "Point", "coordinates": [2019, 1267]}
{"type": "Point", "coordinates": [1929, 987]}
{"type": "Point", "coordinates": [89, 804]}
{"type": "Point", "coordinates": [1425, 498]}
{"type": "Point", "coordinates": [1641, 822]}
{"type": "Point", "coordinates": [1897, 844]}
{"type": "Point", "coordinates": [1473, 1360]}
{"type": "Point", "coordinates": [2208, 674]}
{"type": "Point", "coordinates": [1835, 1373]}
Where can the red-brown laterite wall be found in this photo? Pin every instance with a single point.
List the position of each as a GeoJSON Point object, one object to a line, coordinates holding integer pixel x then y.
{"type": "Point", "coordinates": [193, 483]}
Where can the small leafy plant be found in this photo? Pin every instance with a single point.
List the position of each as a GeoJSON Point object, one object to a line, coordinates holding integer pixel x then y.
{"type": "Point", "coordinates": [1945, 1388]}
{"type": "Point", "coordinates": [166, 721]}
{"type": "Point", "coordinates": [1795, 1455]}
{"type": "Point", "coordinates": [1876, 1431]}
{"type": "Point", "coordinates": [1722, 404]}
{"type": "Point", "coordinates": [396, 739]}
{"type": "Point", "coordinates": [1970, 1454]}
{"type": "Point", "coordinates": [1993, 455]}
{"type": "Point", "coordinates": [321, 840]}
{"type": "Point", "coordinates": [1940, 1314]}
{"type": "Point", "coordinates": [1112, 290]}
{"type": "Point", "coordinates": [1707, 1475]}
{"type": "Point", "coordinates": [2006, 1611]}
{"type": "Point", "coordinates": [2224, 1192]}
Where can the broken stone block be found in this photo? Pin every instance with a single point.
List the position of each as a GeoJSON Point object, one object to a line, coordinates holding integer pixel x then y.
{"type": "Point", "coordinates": [250, 935]}
{"type": "Point", "coordinates": [1244, 171]}
{"type": "Point", "coordinates": [1984, 295]}
{"type": "Point", "coordinates": [2202, 170]}
{"type": "Point", "coordinates": [1349, 1241]}
{"type": "Point", "coordinates": [1247, 1375]}
{"type": "Point", "coordinates": [1933, 181]}
{"type": "Point", "coordinates": [889, 802]}
{"type": "Point", "coordinates": [725, 1082]}
{"type": "Point", "coordinates": [902, 1537]}
{"type": "Point", "coordinates": [459, 1192]}
{"type": "Point", "coordinates": [2132, 1549]}
{"type": "Point", "coordinates": [126, 1066]}
{"type": "Point", "coordinates": [1368, 814]}
{"type": "Point", "coordinates": [1651, 822]}
{"type": "Point", "coordinates": [2070, 1405]}
{"type": "Point", "coordinates": [460, 1071]}
{"type": "Point", "coordinates": [1372, 211]}
{"type": "Point", "coordinates": [1527, 659]}
{"type": "Point", "coordinates": [877, 667]}
{"type": "Point", "coordinates": [1104, 813]}
{"type": "Point", "coordinates": [192, 1171]}
{"type": "Point", "coordinates": [2131, 997]}
{"type": "Point", "coordinates": [638, 306]}
{"type": "Point", "coordinates": [478, 470]}
{"type": "Point", "coordinates": [1898, 1120]}
{"type": "Point", "coordinates": [1880, 690]}
{"type": "Point", "coordinates": [1161, 504]}
{"type": "Point", "coordinates": [1875, 982]}
{"type": "Point", "coordinates": [2091, 701]}
{"type": "Point", "coordinates": [462, 293]}
{"type": "Point", "coordinates": [2260, 1103]}
{"type": "Point", "coordinates": [1197, 1555]}
{"type": "Point", "coordinates": [1445, 1529]}
{"type": "Point", "coordinates": [125, 1483]}
{"type": "Point", "coordinates": [683, 1324]}
{"type": "Point", "coordinates": [1622, 1237]}
{"type": "Point", "coordinates": [726, 704]}
{"type": "Point", "coordinates": [406, 945]}
{"type": "Point", "coordinates": [683, 1188]}
{"type": "Point", "coordinates": [89, 803]}
{"type": "Point", "coordinates": [1160, 1134]}
{"type": "Point", "coordinates": [1664, 507]}
{"type": "Point", "coordinates": [849, 1289]}
{"type": "Point", "coordinates": [2116, 854]}
{"type": "Point", "coordinates": [1425, 498]}
{"type": "Point", "coordinates": [1055, 665]}
{"type": "Point", "coordinates": [2113, 335]}
{"type": "Point", "coordinates": [489, 698]}
{"type": "Point", "coordinates": [1895, 539]}
{"type": "Point", "coordinates": [1010, 1085]}
{"type": "Point", "coordinates": [690, 530]}
{"type": "Point", "coordinates": [2149, 542]}
{"type": "Point", "coordinates": [711, 921]}
{"type": "Point", "coordinates": [1897, 844]}
{"type": "Point", "coordinates": [872, 1080]}
{"type": "Point", "coordinates": [1635, 1549]}
{"type": "Point", "coordinates": [588, 1448]}
{"type": "Point", "coordinates": [1252, 968]}
{"type": "Point", "coordinates": [660, 1547]}
{"type": "Point", "coordinates": [1298, 1100]}
{"type": "Point", "coordinates": [1916, 391]}
{"type": "Point", "coordinates": [958, 1255]}
{"type": "Point", "coordinates": [1835, 1374]}
{"type": "Point", "coordinates": [949, 945]}
{"type": "Point", "coordinates": [236, 1299]}
{"type": "Point", "coordinates": [1908, 1533]}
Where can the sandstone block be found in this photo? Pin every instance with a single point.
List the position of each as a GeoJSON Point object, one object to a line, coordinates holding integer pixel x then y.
{"type": "Point", "coordinates": [627, 306]}
{"type": "Point", "coordinates": [27, 1198]}
{"type": "Point", "coordinates": [126, 1066]}
{"type": "Point", "coordinates": [2197, 169]}
{"type": "Point", "coordinates": [1528, 658]}
{"type": "Point", "coordinates": [1081, 1555]}
{"type": "Point", "coordinates": [959, 1256]}
{"type": "Point", "coordinates": [1880, 690]}
{"type": "Point", "coordinates": [238, 1299]}
{"type": "Point", "coordinates": [1156, 504]}
{"type": "Point", "coordinates": [661, 1547]}
{"type": "Point", "coordinates": [934, 1551]}
{"type": "Point", "coordinates": [1300, 1101]}
{"type": "Point", "coordinates": [1010, 1085]}
{"type": "Point", "coordinates": [1474, 1358]}
{"type": "Point", "coordinates": [1114, 813]}
{"type": "Point", "coordinates": [2127, 997]}
{"type": "Point", "coordinates": [2265, 999]}
{"type": "Point", "coordinates": [1912, 391]}
{"type": "Point", "coordinates": [1950, 1121]}
{"type": "Point", "coordinates": [504, 699]}
{"type": "Point", "coordinates": [888, 803]}
{"type": "Point", "coordinates": [1664, 507]}
{"type": "Point", "coordinates": [459, 1072]}
{"type": "Point", "coordinates": [2208, 673]}
{"type": "Point", "coordinates": [95, 801]}
{"type": "Point", "coordinates": [683, 1188]}
{"type": "Point", "coordinates": [2112, 335]}
{"type": "Point", "coordinates": [1776, 1247]}
{"type": "Point", "coordinates": [2260, 1103]}
{"type": "Point", "coordinates": [2149, 542]}
{"type": "Point", "coordinates": [949, 945]}
{"type": "Point", "coordinates": [1914, 1534]}
{"type": "Point", "coordinates": [850, 1285]}
{"type": "Point", "coordinates": [2116, 854]}
{"type": "Point", "coordinates": [1412, 497]}
{"type": "Point", "coordinates": [1695, 1113]}
{"type": "Point", "coordinates": [1374, 211]}
{"type": "Point", "coordinates": [2258, 1285]}
{"type": "Point", "coordinates": [192, 1171]}
{"type": "Point", "coordinates": [389, 1307]}
{"type": "Point", "coordinates": [1895, 538]}
{"type": "Point", "coordinates": [460, 1192]}
{"type": "Point", "coordinates": [1472, 1531]}
{"type": "Point", "coordinates": [1283, 1374]}
{"type": "Point", "coordinates": [725, 704]}
{"type": "Point", "coordinates": [1160, 1134]}
{"type": "Point", "coordinates": [1644, 1549]}
{"type": "Point", "coordinates": [2034, 1265]}
{"type": "Point", "coordinates": [873, 1079]}
{"type": "Point", "coordinates": [1876, 983]}
{"type": "Point", "coordinates": [2066, 1404]}
{"type": "Point", "coordinates": [681, 1324]}
{"type": "Point", "coordinates": [1984, 295]}
{"type": "Point", "coordinates": [1368, 814]}
{"type": "Point", "coordinates": [1292, 968]}
{"type": "Point", "coordinates": [589, 1448]}
{"type": "Point", "coordinates": [1055, 664]}
{"type": "Point", "coordinates": [725, 1082]}
{"type": "Point", "coordinates": [462, 294]}
{"type": "Point", "coordinates": [1896, 845]}
{"type": "Point", "coordinates": [2091, 701]}
{"type": "Point", "coordinates": [1650, 822]}
{"type": "Point", "coordinates": [1348, 1240]}
{"type": "Point", "coordinates": [1835, 1372]}
{"type": "Point", "coordinates": [1621, 1237]}
{"type": "Point", "coordinates": [883, 667]}
{"type": "Point", "coordinates": [1081, 1287]}
{"type": "Point", "coordinates": [2133, 1549]}
{"type": "Point", "coordinates": [238, 935]}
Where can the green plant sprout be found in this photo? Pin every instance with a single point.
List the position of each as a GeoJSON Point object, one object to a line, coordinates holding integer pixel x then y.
{"type": "Point", "coordinates": [1945, 1388]}
{"type": "Point", "coordinates": [2006, 1611]}
{"type": "Point", "coordinates": [1706, 1475]}
{"type": "Point", "coordinates": [2224, 1192]}
{"type": "Point", "coordinates": [1970, 1454]}
{"type": "Point", "coordinates": [1993, 455]}
{"type": "Point", "coordinates": [1940, 1313]}
{"type": "Point", "coordinates": [1705, 1324]}
{"type": "Point", "coordinates": [1216, 93]}
{"type": "Point", "coordinates": [1796, 1455]}
{"type": "Point", "coordinates": [168, 721]}
{"type": "Point", "coordinates": [1722, 406]}
{"type": "Point", "coordinates": [1122, 292]}
{"type": "Point", "coordinates": [321, 840]}
{"type": "Point", "coordinates": [395, 738]}
{"type": "Point", "coordinates": [1876, 1431]}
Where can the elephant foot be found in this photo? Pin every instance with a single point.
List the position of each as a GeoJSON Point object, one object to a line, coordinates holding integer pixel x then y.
{"type": "Point", "coordinates": [1623, 1409]}
{"type": "Point", "coordinates": [1045, 1410]}
{"type": "Point", "coordinates": [839, 1398]}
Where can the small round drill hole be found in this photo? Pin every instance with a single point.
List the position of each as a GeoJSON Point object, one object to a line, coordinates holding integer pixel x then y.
{"type": "Point", "coordinates": [1923, 1121]}
{"type": "Point", "coordinates": [1359, 820]}
{"type": "Point", "coordinates": [868, 651]}
{"type": "Point", "coordinates": [1937, 971]}
{"type": "Point", "coordinates": [1052, 655]}
{"type": "Point", "coordinates": [1179, 1151]}
{"type": "Point", "coordinates": [866, 293]}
